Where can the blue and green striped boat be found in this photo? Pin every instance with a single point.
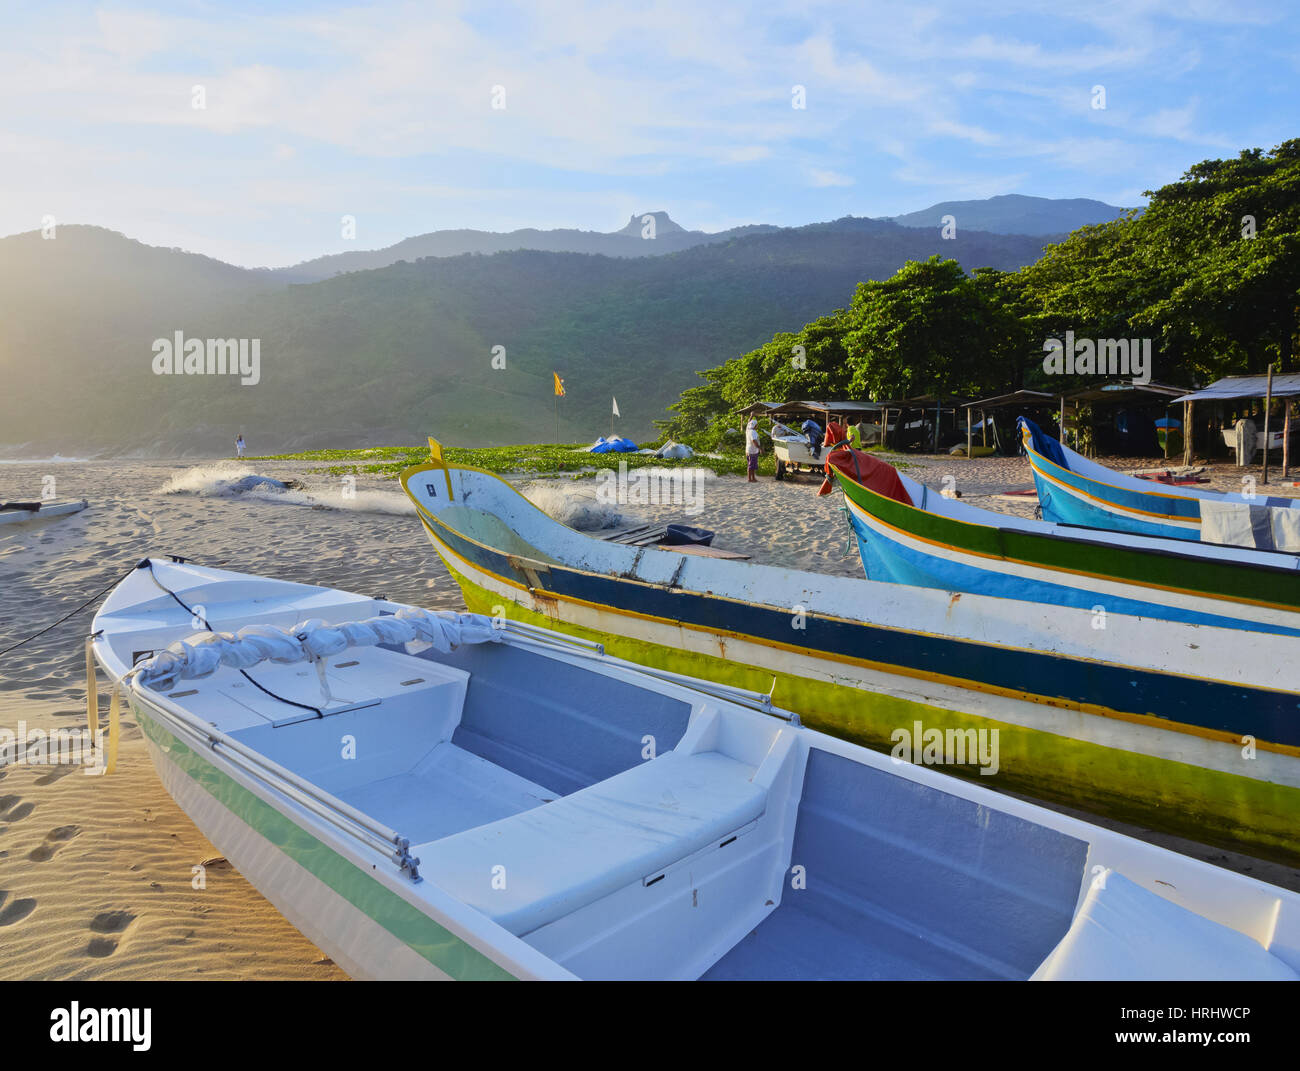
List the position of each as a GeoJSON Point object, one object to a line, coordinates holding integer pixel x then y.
{"type": "Point", "coordinates": [1074, 490]}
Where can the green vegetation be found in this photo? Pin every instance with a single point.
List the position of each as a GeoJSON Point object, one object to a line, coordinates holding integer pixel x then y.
{"type": "Point", "coordinates": [540, 460]}
{"type": "Point", "coordinates": [1209, 271]}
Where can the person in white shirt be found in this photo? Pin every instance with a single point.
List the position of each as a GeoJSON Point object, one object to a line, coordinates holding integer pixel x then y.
{"type": "Point", "coordinates": [751, 449]}
{"type": "Point", "coordinates": [239, 445]}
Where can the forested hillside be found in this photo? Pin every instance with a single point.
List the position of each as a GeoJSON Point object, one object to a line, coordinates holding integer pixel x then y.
{"type": "Point", "coordinates": [1209, 271]}
{"type": "Point", "coordinates": [393, 354]}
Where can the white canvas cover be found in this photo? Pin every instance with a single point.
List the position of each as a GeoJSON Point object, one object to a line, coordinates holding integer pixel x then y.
{"type": "Point", "coordinates": [1232, 523]}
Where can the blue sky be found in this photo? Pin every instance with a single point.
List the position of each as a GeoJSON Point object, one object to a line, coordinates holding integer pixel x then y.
{"type": "Point", "coordinates": [384, 112]}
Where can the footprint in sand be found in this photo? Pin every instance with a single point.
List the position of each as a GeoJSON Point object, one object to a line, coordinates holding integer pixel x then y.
{"type": "Point", "coordinates": [11, 810]}
{"type": "Point", "coordinates": [56, 772]}
{"type": "Point", "coordinates": [107, 922]}
{"type": "Point", "coordinates": [16, 911]}
{"type": "Point", "coordinates": [43, 852]}
{"type": "Point", "coordinates": [111, 921]}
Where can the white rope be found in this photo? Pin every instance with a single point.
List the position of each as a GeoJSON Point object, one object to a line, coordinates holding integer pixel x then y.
{"type": "Point", "coordinates": [203, 653]}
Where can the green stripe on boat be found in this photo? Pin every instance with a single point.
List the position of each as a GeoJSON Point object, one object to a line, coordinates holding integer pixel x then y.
{"type": "Point", "coordinates": [404, 921]}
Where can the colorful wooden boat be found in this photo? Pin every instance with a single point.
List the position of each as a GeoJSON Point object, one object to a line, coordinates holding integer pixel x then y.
{"type": "Point", "coordinates": [920, 537]}
{"type": "Point", "coordinates": [1140, 719]}
{"type": "Point", "coordinates": [1074, 490]}
{"type": "Point", "coordinates": [507, 802]}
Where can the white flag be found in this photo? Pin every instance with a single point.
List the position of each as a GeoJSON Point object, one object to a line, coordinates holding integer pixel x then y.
{"type": "Point", "coordinates": [616, 412]}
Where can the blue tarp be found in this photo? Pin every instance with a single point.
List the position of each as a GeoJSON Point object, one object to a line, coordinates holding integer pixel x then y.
{"type": "Point", "coordinates": [615, 445]}
{"type": "Point", "coordinates": [1043, 443]}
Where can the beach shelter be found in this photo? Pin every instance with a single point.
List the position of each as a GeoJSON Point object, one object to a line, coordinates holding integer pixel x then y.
{"type": "Point", "coordinates": [1234, 388]}
{"type": "Point", "coordinates": [1020, 399]}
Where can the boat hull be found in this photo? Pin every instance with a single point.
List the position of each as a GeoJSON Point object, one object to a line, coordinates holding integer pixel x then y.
{"type": "Point", "coordinates": [1090, 495]}
{"type": "Point", "coordinates": [361, 922]}
{"type": "Point", "coordinates": [1064, 748]}
{"type": "Point", "coordinates": [1067, 498]}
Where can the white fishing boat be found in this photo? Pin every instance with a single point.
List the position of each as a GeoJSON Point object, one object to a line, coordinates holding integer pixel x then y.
{"type": "Point", "coordinates": [1127, 714]}
{"type": "Point", "coordinates": [19, 512]}
{"type": "Point", "coordinates": [444, 795]}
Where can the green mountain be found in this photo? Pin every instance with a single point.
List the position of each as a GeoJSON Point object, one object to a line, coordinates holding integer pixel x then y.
{"type": "Point", "coordinates": [392, 354]}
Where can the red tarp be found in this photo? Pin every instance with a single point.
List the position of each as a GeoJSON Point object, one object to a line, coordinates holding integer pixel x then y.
{"type": "Point", "coordinates": [869, 471]}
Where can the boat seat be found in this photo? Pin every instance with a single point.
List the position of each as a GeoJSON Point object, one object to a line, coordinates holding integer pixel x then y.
{"type": "Point", "coordinates": [1124, 932]}
{"type": "Point", "coordinates": [575, 850]}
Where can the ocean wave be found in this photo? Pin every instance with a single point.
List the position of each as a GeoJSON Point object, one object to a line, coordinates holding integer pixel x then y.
{"type": "Point", "coordinates": [231, 480]}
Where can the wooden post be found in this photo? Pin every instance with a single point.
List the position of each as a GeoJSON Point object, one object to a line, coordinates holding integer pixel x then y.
{"type": "Point", "coordinates": [1187, 433]}
{"type": "Point", "coordinates": [1061, 421]}
{"type": "Point", "coordinates": [984, 426]}
{"type": "Point", "coordinates": [1286, 437]}
{"type": "Point", "coordinates": [1167, 431]}
{"type": "Point", "coordinates": [970, 431]}
{"type": "Point", "coordinates": [938, 416]}
{"type": "Point", "coordinates": [1268, 405]}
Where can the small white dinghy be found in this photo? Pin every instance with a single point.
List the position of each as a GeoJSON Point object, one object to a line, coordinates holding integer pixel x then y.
{"type": "Point", "coordinates": [429, 795]}
{"type": "Point", "coordinates": [17, 512]}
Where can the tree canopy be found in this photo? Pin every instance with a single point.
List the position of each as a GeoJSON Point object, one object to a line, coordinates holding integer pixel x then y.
{"type": "Point", "coordinates": [1209, 271]}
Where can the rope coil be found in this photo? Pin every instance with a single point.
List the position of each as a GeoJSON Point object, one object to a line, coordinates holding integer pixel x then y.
{"type": "Point", "coordinates": [202, 654]}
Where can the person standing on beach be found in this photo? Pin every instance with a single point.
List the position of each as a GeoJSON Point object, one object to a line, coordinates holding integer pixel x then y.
{"type": "Point", "coordinates": [751, 450]}
{"type": "Point", "coordinates": [239, 445]}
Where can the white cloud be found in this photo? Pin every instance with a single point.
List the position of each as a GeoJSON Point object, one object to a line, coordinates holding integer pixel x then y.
{"type": "Point", "coordinates": [353, 108]}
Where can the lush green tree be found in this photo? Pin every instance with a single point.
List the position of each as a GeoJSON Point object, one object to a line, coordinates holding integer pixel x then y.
{"type": "Point", "coordinates": [1210, 271]}
{"type": "Point", "coordinates": [1223, 243]}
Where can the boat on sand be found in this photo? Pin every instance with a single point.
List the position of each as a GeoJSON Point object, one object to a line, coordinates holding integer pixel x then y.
{"type": "Point", "coordinates": [438, 795]}
{"type": "Point", "coordinates": [1074, 490]}
{"type": "Point", "coordinates": [1136, 718]}
{"type": "Point", "coordinates": [19, 512]}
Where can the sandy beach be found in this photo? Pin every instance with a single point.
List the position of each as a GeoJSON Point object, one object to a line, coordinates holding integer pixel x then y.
{"type": "Point", "coordinates": [97, 874]}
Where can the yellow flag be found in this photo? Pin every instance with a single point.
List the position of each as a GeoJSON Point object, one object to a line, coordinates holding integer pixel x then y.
{"type": "Point", "coordinates": [435, 449]}
{"type": "Point", "coordinates": [559, 385]}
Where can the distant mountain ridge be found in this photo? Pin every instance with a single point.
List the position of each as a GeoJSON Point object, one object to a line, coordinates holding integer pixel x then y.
{"type": "Point", "coordinates": [668, 237]}
{"type": "Point", "coordinates": [1014, 213]}
{"type": "Point", "coordinates": [1009, 214]}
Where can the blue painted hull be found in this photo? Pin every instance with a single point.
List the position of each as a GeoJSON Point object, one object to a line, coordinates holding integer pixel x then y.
{"type": "Point", "coordinates": [890, 561]}
{"type": "Point", "coordinates": [1062, 507]}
